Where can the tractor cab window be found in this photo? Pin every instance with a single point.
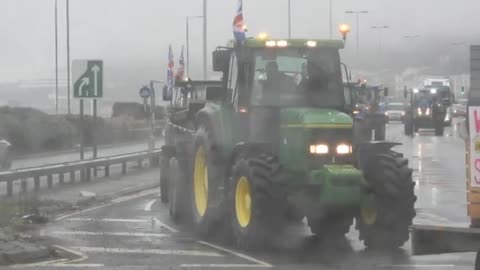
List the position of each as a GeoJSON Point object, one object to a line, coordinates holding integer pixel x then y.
{"type": "Point", "coordinates": [291, 77]}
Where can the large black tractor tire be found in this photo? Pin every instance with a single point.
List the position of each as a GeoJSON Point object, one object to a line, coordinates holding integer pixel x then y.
{"type": "Point", "coordinates": [477, 261]}
{"type": "Point", "coordinates": [409, 127]}
{"type": "Point", "coordinates": [333, 226]}
{"type": "Point", "coordinates": [164, 178]}
{"type": "Point", "coordinates": [387, 211]}
{"type": "Point", "coordinates": [178, 194]}
{"type": "Point", "coordinates": [255, 215]}
{"type": "Point", "coordinates": [439, 128]}
{"type": "Point", "coordinates": [204, 173]}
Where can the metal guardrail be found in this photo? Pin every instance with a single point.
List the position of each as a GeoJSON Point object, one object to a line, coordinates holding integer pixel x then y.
{"type": "Point", "coordinates": [85, 167]}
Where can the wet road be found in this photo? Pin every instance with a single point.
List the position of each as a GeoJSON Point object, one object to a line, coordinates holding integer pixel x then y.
{"type": "Point", "coordinates": [135, 233]}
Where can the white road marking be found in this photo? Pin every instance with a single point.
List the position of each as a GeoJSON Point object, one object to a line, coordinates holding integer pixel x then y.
{"type": "Point", "coordinates": [85, 265]}
{"type": "Point", "coordinates": [417, 266]}
{"type": "Point", "coordinates": [148, 251]}
{"type": "Point", "coordinates": [109, 220]}
{"type": "Point", "coordinates": [222, 266]}
{"type": "Point", "coordinates": [156, 235]}
{"type": "Point", "coordinates": [171, 229]}
{"type": "Point", "coordinates": [118, 200]}
{"type": "Point", "coordinates": [240, 255]}
{"type": "Point", "coordinates": [149, 205]}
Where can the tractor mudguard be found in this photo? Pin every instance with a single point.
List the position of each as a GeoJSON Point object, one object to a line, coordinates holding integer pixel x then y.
{"type": "Point", "coordinates": [367, 150]}
{"type": "Point", "coordinates": [245, 148]}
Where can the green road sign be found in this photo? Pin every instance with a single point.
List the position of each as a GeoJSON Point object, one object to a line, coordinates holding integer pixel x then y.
{"type": "Point", "coordinates": [87, 78]}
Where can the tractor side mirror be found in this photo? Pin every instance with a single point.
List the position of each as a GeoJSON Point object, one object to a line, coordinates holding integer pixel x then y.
{"type": "Point", "coordinates": [166, 96]}
{"type": "Point", "coordinates": [385, 91]}
{"type": "Point", "coordinates": [215, 93]}
{"type": "Point", "coordinates": [221, 60]}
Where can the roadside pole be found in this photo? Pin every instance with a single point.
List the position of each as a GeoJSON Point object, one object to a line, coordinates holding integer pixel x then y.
{"type": "Point", "coordinates": [82, 131]}
{"type": "Point", "coordinates": [94, 134]}
{"type": "Point", "coordinates": [151, 145]}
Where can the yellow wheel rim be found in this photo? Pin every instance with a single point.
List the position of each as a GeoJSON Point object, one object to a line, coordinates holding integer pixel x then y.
{"type": "Point", "coordinates": [200, 181]}
{"type": "Point", "coordinates": [369, 211]}
{"type": "Point", "coordinates": [243, 202]}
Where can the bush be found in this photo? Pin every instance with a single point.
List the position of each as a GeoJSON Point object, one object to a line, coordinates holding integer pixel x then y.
{"type": "Point", "coordinates": [30, 130]}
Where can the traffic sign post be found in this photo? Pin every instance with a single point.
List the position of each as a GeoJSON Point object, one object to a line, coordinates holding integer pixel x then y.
{"type": "Point", "coordinates": [87, 83]}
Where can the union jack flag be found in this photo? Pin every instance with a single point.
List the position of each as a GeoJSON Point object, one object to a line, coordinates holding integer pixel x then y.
{"type": "Point", "coordinates": [170, 75]}
{"type": "Point", "coordinates": [238, 23]}
{"type": "Point", "coordinates": [181, 68]}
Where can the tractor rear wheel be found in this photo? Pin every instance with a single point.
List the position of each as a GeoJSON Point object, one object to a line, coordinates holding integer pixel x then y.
{"type": "Point", "coordinates": [380, 132]}
{"type": "Point", "coordinates": [203, 213]}
{"type": "Point", "coordinates": [178, 205]}
{"type": "Point", "coordinates": [254, 213]}
{"type": "Point", "coordinates": [387, 210]}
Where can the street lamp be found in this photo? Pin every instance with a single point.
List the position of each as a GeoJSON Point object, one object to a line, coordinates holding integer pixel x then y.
{"type": "Point", "coordinates": [411, 37]}
{"type": "Point", "coordinates": [357, 15]}
{"type": "Point", "coordinates": [188, 41]}
{"type": "Point", "coordinates": [380, 28]}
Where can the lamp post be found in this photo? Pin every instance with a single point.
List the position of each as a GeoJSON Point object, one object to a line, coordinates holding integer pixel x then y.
{"type": "Point", "coordinates": [205, 39]}
{"type": "Point", "coordinates": [289, 19]}
{"type": "Point", "coordinates": [188, 40]}
{"type": "Point", "coordinates": [357, 15]}
{"type": "Point", "coordinates": [56, 57]}
{"type": "Point", "coordinates": [68, 56]}
{"type": "Point", "coordinates": [380, 28]}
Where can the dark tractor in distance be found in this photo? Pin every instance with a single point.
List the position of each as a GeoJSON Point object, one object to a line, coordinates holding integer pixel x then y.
{"type": "Point", "coordinates": [369, 116]}
{"type": "Point", "coordinates": [427, 109]}
{"type": "Point", "coordinates": [272, 143]}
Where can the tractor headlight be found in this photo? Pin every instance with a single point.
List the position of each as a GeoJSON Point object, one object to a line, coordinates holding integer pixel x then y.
{"type": "Point", "coordinates": [428, 111]}
{"type": "Point", "coordinates": [419, 111]}
{"type": "Point", "coordinates": [343, 149]}
{"type": "Point", "coordinates": [356, 112]}
{"type": "Point", "coordinates": [319, 149]}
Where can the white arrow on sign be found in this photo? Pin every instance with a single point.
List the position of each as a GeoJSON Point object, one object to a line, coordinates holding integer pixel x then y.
{"type": "Point", "coordinates": [95, 70]}
{"type": "Point", "coordinates": [85, 82]}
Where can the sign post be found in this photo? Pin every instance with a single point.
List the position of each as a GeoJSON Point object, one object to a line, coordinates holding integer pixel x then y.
{"type": "Point", "coordinates": [87, 83]}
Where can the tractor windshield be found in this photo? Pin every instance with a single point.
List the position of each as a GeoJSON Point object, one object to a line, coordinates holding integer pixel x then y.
{"type": "Point", "coordinates": [294, 77]}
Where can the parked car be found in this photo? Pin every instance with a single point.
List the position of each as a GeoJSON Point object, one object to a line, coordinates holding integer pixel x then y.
{"type": "Point", "coordinates": [395, 111]}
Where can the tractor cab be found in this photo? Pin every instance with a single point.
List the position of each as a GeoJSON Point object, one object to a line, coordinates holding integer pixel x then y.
{"type": "Point", "coordinates": [284, 86]}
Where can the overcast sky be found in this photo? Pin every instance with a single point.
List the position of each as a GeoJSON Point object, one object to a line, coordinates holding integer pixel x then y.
{"type": "Point", "coordinates": [137, 32]}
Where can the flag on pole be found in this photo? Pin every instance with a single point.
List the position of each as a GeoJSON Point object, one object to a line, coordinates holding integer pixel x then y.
{"type": "Point", "coordinates": [238, 23]}
{"type": "Point", "coordinates": [181, 68]}
{"type": "Point", "coordinates": [170, 75]}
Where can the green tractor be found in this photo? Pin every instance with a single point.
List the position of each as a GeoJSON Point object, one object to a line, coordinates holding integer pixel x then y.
{"type": "Point", "coordinates": [272, 143]}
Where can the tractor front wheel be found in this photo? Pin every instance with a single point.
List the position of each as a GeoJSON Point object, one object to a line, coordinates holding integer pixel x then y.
{"type": "Point", "coordinates": [408, 123]}
{"type": "Point", "coordinates": [387, 210]}
{"type": "Point", "coordinates": [254, 213]}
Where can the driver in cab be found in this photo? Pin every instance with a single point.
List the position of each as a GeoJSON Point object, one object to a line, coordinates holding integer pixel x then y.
{"type": "Point", "coordinates": [277, 80]}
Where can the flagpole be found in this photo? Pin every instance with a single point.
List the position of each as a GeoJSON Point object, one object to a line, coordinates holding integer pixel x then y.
{"type": "Point", "coordinates": [204, 39]}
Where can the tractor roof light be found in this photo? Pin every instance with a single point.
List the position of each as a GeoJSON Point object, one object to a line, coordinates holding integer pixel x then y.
{"type": "Point", "coordinates": [282, 43]}
{"type": "Point", "coordinates": [311, 44]}
{"type": "Point", "coordinates": [271, 43]}
{"type": "Point", "coordinates": [262, 36]}
{"type": "Point", "coordinates": [433, 90]}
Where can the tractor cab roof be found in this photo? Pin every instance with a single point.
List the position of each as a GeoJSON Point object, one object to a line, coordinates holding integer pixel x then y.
{"type": "Point", "coordinates": [290, 43]}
